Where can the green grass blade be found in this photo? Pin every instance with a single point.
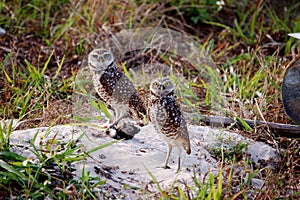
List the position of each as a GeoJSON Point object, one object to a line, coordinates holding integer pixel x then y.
{"type": "Point", "coordinates": [154, 180]}
{"type": "Point", "coordinates": [182, 194]}
{"type": "Point", "coordinates": [59, 66]}
{"type": "Point", "coordinates": [46, 64]}
{"type": "Point", "coordinates": [11, 156]}
{"type": "Point", "coordinates": [7, 76]}
{"type": "Point", "coordinates": [126, 72]}
{"type": "Point", "coordinates": [244, 124]}
{"type": "Point", "coordinates": [239, 30]}
{"type": "Point", "coordinates": [105, 110]}
{"type": "Point", "coordinates": [220, 182]}
{"type": "Point", "coordinates": [11, 169]}
{"type": "Point", "coordinates": [102, 146]}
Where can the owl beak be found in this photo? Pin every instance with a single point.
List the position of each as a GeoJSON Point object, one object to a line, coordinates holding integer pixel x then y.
{"type": "Point", "coordinates": [161, 87]}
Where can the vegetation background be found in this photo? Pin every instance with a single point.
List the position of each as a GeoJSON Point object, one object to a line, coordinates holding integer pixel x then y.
{"type": "Point", "coordinates": [46, 41]}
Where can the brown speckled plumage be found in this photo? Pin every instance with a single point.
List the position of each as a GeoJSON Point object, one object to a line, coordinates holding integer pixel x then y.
{"type": "Point", "coordinates": [167, 117]}
{"type": "Point", "coordinates": [113, 86]}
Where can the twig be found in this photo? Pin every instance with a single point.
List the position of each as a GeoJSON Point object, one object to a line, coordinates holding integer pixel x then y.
{"type": "Point", "coordinates": [283, 130]}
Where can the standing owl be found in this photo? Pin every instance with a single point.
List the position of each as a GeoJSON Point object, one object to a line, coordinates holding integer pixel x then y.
{"type": "Point", "coordinates": [167, 118]}
{"type": "Point", "coordinates": [114, 87]}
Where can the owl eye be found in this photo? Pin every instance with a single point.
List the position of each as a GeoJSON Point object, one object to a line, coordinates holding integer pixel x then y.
{"type": "Point", "coordinates": [155, 84]}
{"type": "Point", "coordinates": [107, 56]}
{"type": "Point", "coordinates": [167, 83]}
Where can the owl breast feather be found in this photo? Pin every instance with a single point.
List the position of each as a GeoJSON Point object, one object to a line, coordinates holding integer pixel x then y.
{"type": "Point", "coordinates": [109, 79]}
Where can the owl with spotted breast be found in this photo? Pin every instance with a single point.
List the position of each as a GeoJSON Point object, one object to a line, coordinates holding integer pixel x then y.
{"type": "Point", "coordinates": [167, 117]}
{"type": "Point", "coordinates": [114, 87]}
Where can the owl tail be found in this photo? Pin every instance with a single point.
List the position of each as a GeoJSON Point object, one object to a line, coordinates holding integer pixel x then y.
{"type": "Point", "coordinates": [188, 150]}
{"type": "Point", "coordinates": [186, 145]}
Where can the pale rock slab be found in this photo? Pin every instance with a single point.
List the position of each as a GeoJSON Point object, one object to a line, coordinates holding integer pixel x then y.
{"type": "Point", "coordinates": [128, 162]}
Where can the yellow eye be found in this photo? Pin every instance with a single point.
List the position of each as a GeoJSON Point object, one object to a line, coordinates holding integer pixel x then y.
{"type": "Point", "coordinates": [156, 84]}
{"type": "Point", "coordinates": [167, 83]}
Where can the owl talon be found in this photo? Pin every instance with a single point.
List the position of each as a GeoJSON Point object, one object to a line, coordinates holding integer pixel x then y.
{"type": "Point", "coordinates": [164, 167]}
{"type": "Point", "coordinates": [111, 127]}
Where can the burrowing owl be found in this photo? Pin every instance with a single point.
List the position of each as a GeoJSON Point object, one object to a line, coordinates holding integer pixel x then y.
{"type": "Point", "coordinates": [113, 86]}
{"type": "Point", "coordinates": [167, 118]}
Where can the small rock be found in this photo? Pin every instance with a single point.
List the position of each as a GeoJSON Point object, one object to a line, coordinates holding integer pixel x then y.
{"type": "Point", "coordinates": [2, 31]}
{"type": "Point", "coordinates": [257, 183]}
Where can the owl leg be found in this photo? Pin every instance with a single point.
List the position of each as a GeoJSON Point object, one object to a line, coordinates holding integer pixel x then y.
{"type": "Point", "coordinates": [168, 156]}
{"type": "Point", "coordinates": [119, 116]}
{"type": "Point", "coordinates": [179, 155]}
{"type": "Point", "coordinates": [112, 130]}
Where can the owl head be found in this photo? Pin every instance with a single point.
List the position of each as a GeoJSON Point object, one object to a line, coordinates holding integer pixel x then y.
{"type": "Point", "coordinates": [100, 59]}
{"type": "Point", "coordinates": [162, 86]}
